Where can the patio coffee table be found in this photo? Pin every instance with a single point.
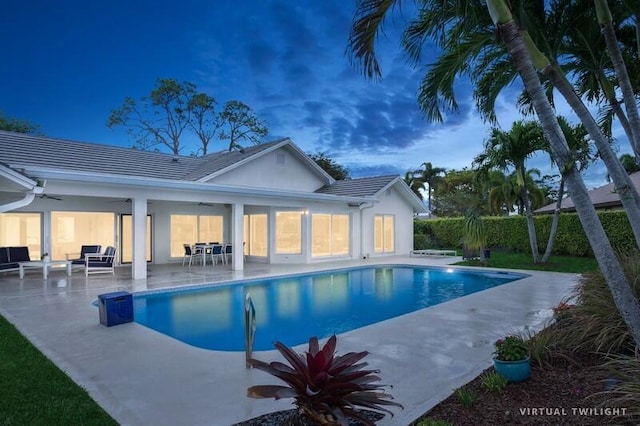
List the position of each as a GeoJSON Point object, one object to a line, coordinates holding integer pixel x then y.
{"type": "Point", "coordinates": [45, 266]}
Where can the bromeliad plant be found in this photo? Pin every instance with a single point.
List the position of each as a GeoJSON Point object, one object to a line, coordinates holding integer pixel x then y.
{"type": "Point", "coordinates": [326, 387]}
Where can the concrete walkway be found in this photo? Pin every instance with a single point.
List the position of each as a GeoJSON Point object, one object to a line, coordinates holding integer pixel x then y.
{"type": "Point", "coordinates": [142, 377]}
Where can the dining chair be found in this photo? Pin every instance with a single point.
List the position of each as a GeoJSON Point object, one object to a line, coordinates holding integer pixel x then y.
{"type": "Point", "coordinates": [188, 254]}
{"type": "Point", "coordinates": [216, 253]}
{"type": "Point", "coordinates": [200, 252]}
{"type": "Point", "coordinates": [228, 252]}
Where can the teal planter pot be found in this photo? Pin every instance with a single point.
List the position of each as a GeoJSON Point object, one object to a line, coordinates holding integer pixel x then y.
{"type": "Point", "coordinates": [513, 371]}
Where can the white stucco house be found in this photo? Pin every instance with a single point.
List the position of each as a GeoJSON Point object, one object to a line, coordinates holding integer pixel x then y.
{"type": "Point", "coordinates": [271, 199]}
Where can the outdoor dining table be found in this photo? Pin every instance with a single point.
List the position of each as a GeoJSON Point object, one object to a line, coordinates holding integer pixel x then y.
{"type": "Point", "coordinates": [202, 249]}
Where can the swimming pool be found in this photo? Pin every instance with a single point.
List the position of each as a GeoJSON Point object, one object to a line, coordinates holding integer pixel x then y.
{"type": "Point", "coordinates": [293, 308]}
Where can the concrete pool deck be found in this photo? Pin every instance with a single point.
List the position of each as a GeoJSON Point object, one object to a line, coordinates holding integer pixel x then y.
{"type": "Point", "coordinates": [142, 377]}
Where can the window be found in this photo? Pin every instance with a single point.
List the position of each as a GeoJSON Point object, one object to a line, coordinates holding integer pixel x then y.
{"type": "Point", "coordinates": [256, 234]}
{"type": "Point", "coordinates": [71, 230]}
{"type": "Point", "coordinates": [384, 234]}
{"type": "Point", "coordinates": [329, 234]}
{"type": "Point", "coordinates": [22, 229]}
{"type": "Point", "coordinates": [190, 229]}
{"type": "Point", "coordinates": [289, 232]}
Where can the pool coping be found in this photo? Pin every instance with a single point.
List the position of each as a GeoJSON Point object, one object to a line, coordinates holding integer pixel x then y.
{"type": "Point", "coordinates": [143, 377]}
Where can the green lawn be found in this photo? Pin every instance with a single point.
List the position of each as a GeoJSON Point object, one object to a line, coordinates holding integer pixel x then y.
{"type": "Point", "coordinates": [36, 392]}
{"type": "Point", "coordinates": [510, 260]}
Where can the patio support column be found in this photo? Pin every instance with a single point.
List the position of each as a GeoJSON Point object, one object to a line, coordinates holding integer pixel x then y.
{"type": "Point", "coordinates": [139, 243]}
{"type": "Point", "coordinates": [237, 233]}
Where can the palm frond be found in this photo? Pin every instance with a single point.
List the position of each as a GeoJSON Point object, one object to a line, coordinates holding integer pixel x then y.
{"type": "Point", "coordinates": [367, 23]}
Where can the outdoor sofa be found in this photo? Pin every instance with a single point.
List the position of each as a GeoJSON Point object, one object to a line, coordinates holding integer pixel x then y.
{"type": "Point", "coordinates": [10, 256]}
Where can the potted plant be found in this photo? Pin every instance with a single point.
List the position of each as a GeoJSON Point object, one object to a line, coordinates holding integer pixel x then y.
{"type": "Point", "coordinates": [474, 237]}
{"type": "Point", "coordinates": [511, 358]}
{"type": "Point", "coordinates": [44, 257]}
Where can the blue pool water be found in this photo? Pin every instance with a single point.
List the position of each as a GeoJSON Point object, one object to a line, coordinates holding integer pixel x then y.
{"type": "Point", "coordinates": [292, 309]}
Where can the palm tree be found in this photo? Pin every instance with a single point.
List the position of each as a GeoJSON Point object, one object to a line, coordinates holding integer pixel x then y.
{"type": "Point", "coordinates": [503, 192]}
{"type": "Point", "coordinates": [430, 176]}
{"type": "Point", "coordinates": [605, 20]}
{"type": "Point", "coordinates": [472, 51]}
{"type": "Point", "coordinates": [629, 163]}
{"type": "Point", "coordinates": [589, 65]}
{"type": "Point", "coordinates": [447, 30]}
{"type": "Point", "coordinates": [510, 150]}
{"type": "Point", "coordinates": [576, 137]}
{"type": "Point", "coordinates": [415, 183]}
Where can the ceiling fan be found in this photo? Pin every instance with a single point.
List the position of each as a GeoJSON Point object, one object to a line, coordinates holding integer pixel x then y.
{"type": "Point", "coordinates": [125, 200]}
{"type": "Point", "coordinates": [50, 197]}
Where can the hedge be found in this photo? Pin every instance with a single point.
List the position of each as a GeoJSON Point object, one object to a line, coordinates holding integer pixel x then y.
{"type": "Point", "coordinates": [510, 233]}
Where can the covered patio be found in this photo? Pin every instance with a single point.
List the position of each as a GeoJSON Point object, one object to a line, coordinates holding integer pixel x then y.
{"type": "Point", "coordinates": [143, 377]}
{"type": "Point", "coordinates": [271, 199]}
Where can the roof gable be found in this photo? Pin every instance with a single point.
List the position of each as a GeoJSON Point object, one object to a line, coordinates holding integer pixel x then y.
{"type": "Point", "coordinates": [216, 162]}
{"type": "Point", "coordinates": [373, 187]}
{"type": "Point", "coordinates": [361, 187]}
{"type": "Point", "coordinates": [20, 151]}
{"type": "Point", "coordinates": [229, 161]}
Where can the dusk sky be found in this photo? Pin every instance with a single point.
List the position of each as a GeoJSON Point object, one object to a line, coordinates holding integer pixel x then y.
{"type": "Point", "coordinates": [69, 63]}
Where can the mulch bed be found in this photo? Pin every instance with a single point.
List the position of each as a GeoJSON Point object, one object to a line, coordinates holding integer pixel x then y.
{"type": "Point", "coordinates": [562, 394]}
{"type": "Point", "coordinates": [553, 395]}
{"type": "Point", "coordinates": [293, 418]}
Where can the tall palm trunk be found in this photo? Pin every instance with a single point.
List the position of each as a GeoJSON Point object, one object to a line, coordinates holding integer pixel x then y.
{"type": "Point", "coordinates": [622, 182]}
{"type": "Point", "coordinates": [606, 27]}
{"type": "Point", "coordinates": [554, 224]}
{"type": "Point", "coordinates": [528, 212]}
{"type": "Point", "coordinates": [610, 95]}
{"type": "Point", "coordinates": [624, 186]}
{"type": "Point", "coordinates": [609, 265]}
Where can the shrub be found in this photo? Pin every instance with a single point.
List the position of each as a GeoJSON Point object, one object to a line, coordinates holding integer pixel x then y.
{"type": "Point", "coordinates": [562, 311]}
{"type": "Point", "coordinates": [511, 233]}
{"type": "Point", "coordinates": [326, 387]}
{"type": "Point", "coordinates": [545, 347]}
{"type": "Point", "coordinates": [493, 382]}
{"type": "Point", "coordinates": [422, 242]}
{"type": "Point", "coordinates": [466, 396]}
{"type": "Point", "coordinates": [595, 324]}
{"type": "Point", "coordinates": [626, 392]}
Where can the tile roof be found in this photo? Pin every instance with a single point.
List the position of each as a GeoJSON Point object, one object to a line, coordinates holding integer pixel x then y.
{"type": "Point", "coordinates": [18, 150]}
{"type": "Point", "coordinates": [601, 197]}
{"type": "Point", "coordinates": [362, 187]}
{"type": "Point", "coordinates": [217, 161]}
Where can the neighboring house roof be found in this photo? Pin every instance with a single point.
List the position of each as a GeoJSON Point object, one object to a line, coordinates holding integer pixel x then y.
{"type": "Point", "coordinates": [603, 197]}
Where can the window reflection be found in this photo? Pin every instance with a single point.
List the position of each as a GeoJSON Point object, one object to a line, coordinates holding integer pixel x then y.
{"type": "Point", "coordinates": [71, 230]}
{"type": "Point", "coordinates": [384, 234]}
{"type": "Point", "coordinates": [289, 232]}
{"type": "Point", "coordinates": [256, 235]}
{"type": "Point", "coordinates": [329, 234]}
{"type": "Point", "coordinates": [189, 229]}
{"type": "Point", "coordinates": [22, 229]}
